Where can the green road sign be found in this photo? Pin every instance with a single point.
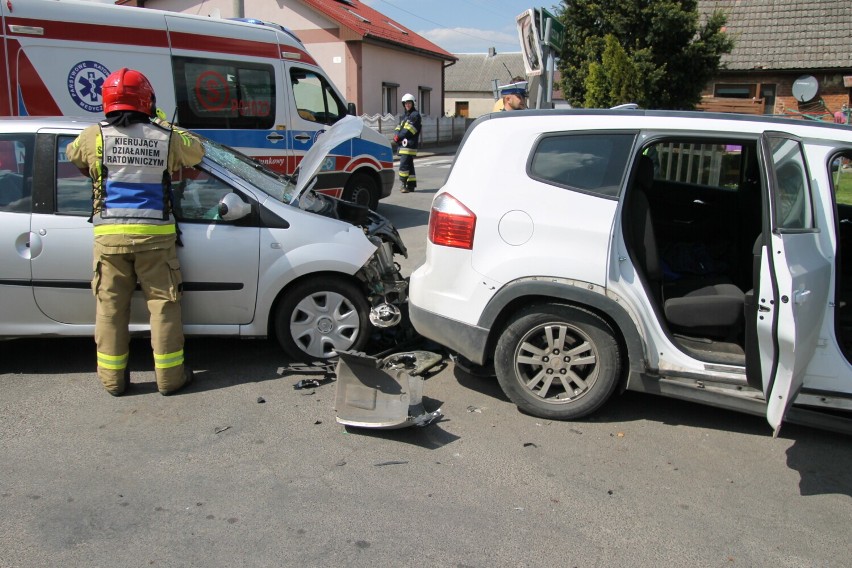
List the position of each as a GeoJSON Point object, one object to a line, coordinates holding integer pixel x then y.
{"type": "Point", "coordinates": [557, 30]}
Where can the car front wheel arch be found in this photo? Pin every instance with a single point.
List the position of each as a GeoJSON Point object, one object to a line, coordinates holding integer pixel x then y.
{"type": "Point", "coordinates": [519, 296]}
{"type": "Point", "coordinates": [558, 361]}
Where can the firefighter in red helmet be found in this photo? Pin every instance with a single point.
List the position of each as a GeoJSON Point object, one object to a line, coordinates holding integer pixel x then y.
{"type": "Point", "coordinates": [130, 158]}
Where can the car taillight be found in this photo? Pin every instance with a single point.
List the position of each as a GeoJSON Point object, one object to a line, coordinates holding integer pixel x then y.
{"type": "Point", "coordinates": [451, 224]}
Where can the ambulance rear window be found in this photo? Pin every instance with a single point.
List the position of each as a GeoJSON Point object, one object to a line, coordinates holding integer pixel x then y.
{"type": "Point", "coordinates": [212, 93]}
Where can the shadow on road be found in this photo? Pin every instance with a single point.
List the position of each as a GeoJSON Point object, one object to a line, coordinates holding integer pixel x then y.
{"type": "Point", "coordinates": [431, 437]}
{"type": "Point", "coordinates": [219, 362]}
{"type": "Point", "coordinates": [823, 459]}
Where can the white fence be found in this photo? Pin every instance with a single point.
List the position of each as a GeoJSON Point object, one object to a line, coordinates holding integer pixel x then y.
{"type": "Point", "coordinates": [435, 130]}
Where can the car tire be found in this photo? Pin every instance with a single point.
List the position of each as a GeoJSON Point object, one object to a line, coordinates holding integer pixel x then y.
{"type": "Point", "coordinates": [362, 189]}
{"type": "Point", "coordinates": [320, 315]}
{"type": "Point", "coordinates": [558, 362]}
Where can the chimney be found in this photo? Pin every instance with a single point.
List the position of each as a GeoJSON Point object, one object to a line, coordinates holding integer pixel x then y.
{"type": "Point", "coordinates": [492, 52]}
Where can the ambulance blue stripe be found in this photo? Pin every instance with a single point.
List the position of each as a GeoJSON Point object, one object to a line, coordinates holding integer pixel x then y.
{"type": "Point", "coordinates": [258, 140]}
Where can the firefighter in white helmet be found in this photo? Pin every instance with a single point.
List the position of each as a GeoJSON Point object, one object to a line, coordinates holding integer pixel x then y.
{"type": "Point", "coordinates": [130, 159]}
{"type": "Point", "coordinates": [407, 136]}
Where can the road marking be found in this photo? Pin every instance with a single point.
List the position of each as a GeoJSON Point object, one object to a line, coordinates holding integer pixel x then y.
{"type": "Point", "coordinates": [445, 163]}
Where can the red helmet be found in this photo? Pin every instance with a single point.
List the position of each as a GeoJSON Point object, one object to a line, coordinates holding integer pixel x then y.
{"type": "Point", "coordinates": [128, 89]}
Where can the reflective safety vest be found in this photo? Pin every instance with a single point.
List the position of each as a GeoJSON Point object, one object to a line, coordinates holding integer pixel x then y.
{"type": "Point", "coordinates": [135, 181]}
{"type": "Point", "coordinates": [408, 130]}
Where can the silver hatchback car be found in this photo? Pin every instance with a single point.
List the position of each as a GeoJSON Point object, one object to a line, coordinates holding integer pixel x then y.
{"type": "Point", "coordinates": [263, 254]}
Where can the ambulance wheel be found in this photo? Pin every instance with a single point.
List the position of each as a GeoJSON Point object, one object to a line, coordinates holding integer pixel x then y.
{"type": "Point", "coordinates": [558, 362]}
{"type": "Point", "coordinates": [362, 189]}
{"type": "Point", "coordinates": [319, 315]}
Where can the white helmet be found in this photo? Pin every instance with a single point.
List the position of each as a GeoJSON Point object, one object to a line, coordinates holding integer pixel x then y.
{"type": "Point", "coordinates": [408, 97]}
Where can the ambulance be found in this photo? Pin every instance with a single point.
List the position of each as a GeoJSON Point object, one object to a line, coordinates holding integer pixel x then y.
{"type": "Point", "coordinates": [248, 84]}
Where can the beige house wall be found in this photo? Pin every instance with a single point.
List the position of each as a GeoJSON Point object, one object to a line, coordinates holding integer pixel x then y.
{"type": "Point", "coordinates": [411, 72]}
{"type": "Point", "coordinates": [478, 103]}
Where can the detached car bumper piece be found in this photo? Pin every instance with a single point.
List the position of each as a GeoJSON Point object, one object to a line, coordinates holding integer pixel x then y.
{"type": "Point", "coordinates": [383, 393]}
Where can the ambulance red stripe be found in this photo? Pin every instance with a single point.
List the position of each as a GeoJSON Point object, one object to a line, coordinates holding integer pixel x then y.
{"type": "Point", "coordinates": [94, 33]}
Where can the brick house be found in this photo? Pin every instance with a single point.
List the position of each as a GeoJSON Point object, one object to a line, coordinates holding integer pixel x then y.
{"type": "Point", "coordinates": [782, 48]}
{"type": "Point", "coordinates": [372, 59]}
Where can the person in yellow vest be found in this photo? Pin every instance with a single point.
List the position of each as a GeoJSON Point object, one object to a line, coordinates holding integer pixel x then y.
{"type": "Point", "coordinates": [130, 157]}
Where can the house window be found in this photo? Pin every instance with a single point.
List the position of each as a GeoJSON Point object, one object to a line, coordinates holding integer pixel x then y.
{"type": "Point", "coordinates": [735, 91]}
{"type": "Point", "coordinates": [390, 100]}
{"type": "Point", "coordinates": [424, 95]}
{"type": "Point", "coordinates": [765, 91]}
{"type": "Point", "coordinates": [462, 109]}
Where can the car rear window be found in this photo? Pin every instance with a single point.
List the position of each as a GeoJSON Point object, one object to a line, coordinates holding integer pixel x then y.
{"type": "Point", "coordinates": [591, 163]}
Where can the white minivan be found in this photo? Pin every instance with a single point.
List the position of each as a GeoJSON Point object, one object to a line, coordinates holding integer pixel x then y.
{"type": "Point", "coordinates": [250, 85]}
{"type": "Point", "coordinates": [700, 256]}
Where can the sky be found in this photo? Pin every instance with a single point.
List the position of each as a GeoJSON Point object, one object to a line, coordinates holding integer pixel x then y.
{"type": "Point", "coordinates": [462, 26]}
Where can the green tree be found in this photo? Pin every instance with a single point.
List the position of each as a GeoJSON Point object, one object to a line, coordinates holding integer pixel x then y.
{"type": "Point", "coordinates": [655, 53]}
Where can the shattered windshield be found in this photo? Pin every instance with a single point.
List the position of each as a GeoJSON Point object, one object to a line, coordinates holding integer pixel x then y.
{"type": "Point", "coordinates": [276, 185]}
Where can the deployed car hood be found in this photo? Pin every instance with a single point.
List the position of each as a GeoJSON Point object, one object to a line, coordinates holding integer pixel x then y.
{"type": "Point", "coordinates": [344, 129]}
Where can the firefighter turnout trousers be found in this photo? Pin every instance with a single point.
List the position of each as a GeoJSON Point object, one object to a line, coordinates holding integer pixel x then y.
{"type": "Point", "coordinates": [116, 271]}
{"type": "Point", "coordinates": [407, 177]}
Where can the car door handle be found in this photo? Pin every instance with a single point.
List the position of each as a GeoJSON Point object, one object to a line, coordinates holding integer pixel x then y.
{"type": "Point", "coordinates": [801, 296]}
{"type": "Point", "coordinates": [274, 137]}
{"type": "Point", "coordinates": [302, 137]}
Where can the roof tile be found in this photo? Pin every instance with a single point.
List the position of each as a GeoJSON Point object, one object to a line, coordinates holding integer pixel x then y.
{"type": "Point", "coordinates": [369, 23]}
{"type": "Point", "coordinates": [786, 34]}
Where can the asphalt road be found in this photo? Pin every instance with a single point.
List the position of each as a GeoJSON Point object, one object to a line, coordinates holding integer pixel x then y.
{"type": "Point", "coordinates": [244, 470]}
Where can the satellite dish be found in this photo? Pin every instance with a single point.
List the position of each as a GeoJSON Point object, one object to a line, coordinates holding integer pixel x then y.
{"type": "Point", "coordinates": [805, 88]}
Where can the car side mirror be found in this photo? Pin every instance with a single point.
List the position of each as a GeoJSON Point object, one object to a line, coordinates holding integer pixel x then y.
{"type": "Point", "coordinates": [350, 109]}
{"type": "Point", "coordinates": [232, 208]}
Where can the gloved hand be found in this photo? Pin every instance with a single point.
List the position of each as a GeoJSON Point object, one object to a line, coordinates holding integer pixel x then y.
{"type": "Point", "coordinates": [396, 138]}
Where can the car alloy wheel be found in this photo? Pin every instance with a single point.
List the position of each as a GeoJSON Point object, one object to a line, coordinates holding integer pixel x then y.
{"type": "Point", "coordinates": [557, 361]}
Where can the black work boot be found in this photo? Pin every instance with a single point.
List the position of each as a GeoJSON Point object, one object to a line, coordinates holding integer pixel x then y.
{"type": "Point", "coordinates": [188, 376]}
{"type": "Point", "coordinates": [404, 188]}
